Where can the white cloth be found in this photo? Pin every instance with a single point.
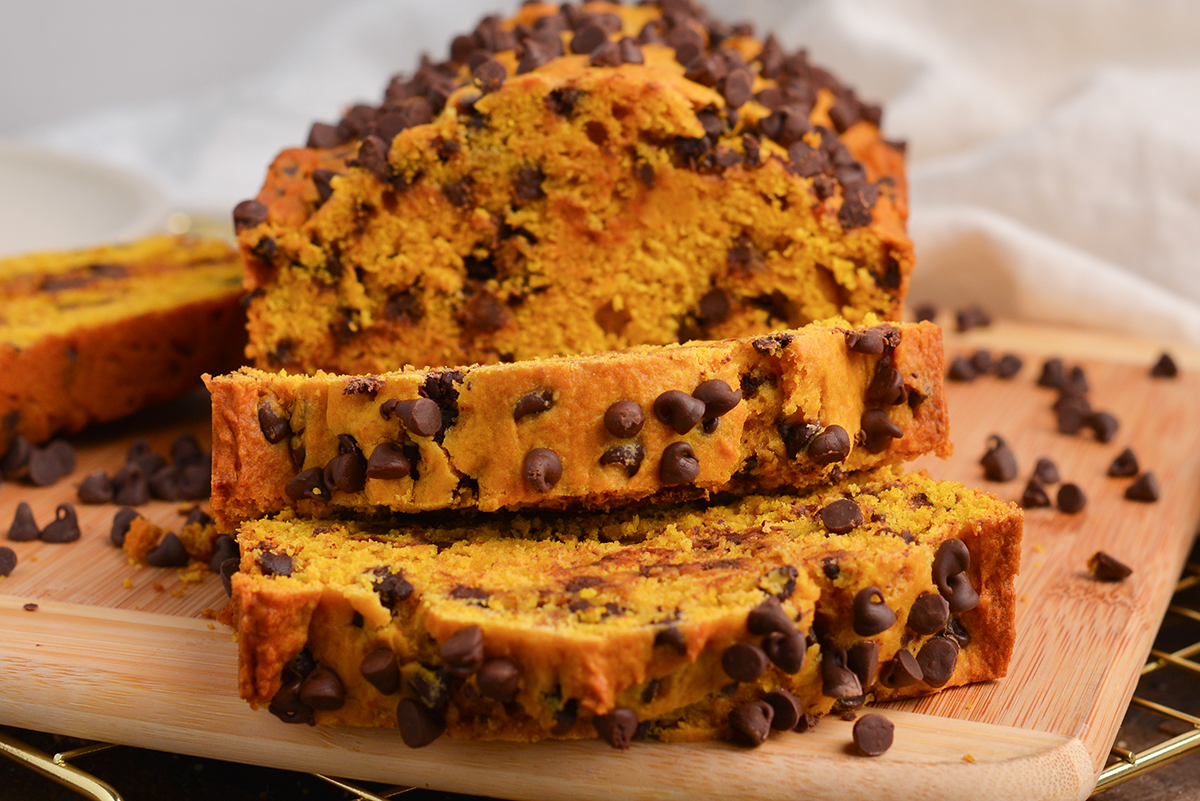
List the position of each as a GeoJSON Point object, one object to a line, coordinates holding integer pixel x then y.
{"type": "Point", "coordinates": [1054, 144]}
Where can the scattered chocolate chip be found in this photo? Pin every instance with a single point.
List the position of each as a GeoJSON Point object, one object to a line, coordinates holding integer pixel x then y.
{"type": "Point", "coordinates": [64, 528]}
{"type": "Point", "coordinates": [499, 678]}
{"type": "Point", "coordinates": [863, 660]}
{"type": "Point", "coordinates": [195, 481]}
{"type": "Point", "coordinates": [542, 469]}
{"type": "Point", "coordinates": [1125, 465]}
{"type": "Point", "coordinates": [248, 214]}
{"type": "Point", "coordinates": [1071, 498]}
{"type": "Point", "coordinates": [274, 428]}
{"type": "Point", "coordinates": [925, 312]}
{"type": "Point", "coordinates": [96, 488]}
{"type": "Point", "coordinates": [786, 650]}
{"type": "Point", "coordinates": [120, 525]}
{"type": "Point", "coordinates": [1045, 471]}
{"type": "Point", "coordinates": [937, 659]}
{"type": "Point", "coordinates": [1145, 489]}
{"type": "Point", "coordinates": [228, 568]}
{"type": "Point", "coordinates": [718, 398]}
{"type": "Point", "coordinates": [751, 722]}
{"type": "Point", "coordinates": [15, 462]}
{"type": "Point", "coordinates": [1053, 374]}
{"type": "Point", "coordinates": [322, 689]}
{"type": "Point", "coordinates": [1103, 425]}
{"type": "Point", "coordinates": [617, 728]}
{"type": "Point", "coordinates": [1104, 567]}
{"type": "Point", "coordinates": [533, 403]}
{"type": "Point", "coordinates": [224, 547]}
{"type": "Point", "coordinates": [871, 616]}
{"type": "Point", "coordinates": [879, 430]}
{"type": "Point", "coordinates": [998, 461]}
{"type": "Point", "coordinates": [961, 369]}
{"type": "Point", "coordinates": [1034, 496]}
{"type": "Point", "coordinates": [168, 553]}
{"type": "Point", "coordinates": [462, 653]}
{"type": "Point", "coordinates": [981, 360]}
{"type": "Point", "coordinates": [873, 734]}
{"type": "Point", "coordinates": [679, 465]}
{"type": "Point", "coordinates": [841, 516]}
{"type": "Point", "coordinates": [837, 680]}
{"type": "Point", "coordinates": [274, 564]}
{"type": "Point", "coordinates": [388, 462]}
{"type": "Point", "coordinates": [1008, 366]}
{"type": "Point", "coordinates": [47, 465]}
{"type": "Point", "coordinates": [624, 419]}
{"type": "Point", "coordinates": [787, 709]}
{"type": "Point", "coordinates": [8, 560]}
{"type": "Point", "coordinates": [1165, 367]}
{"type": "Point", "coordinates": [679, 410]}
{"type": "Point", "coordinates": [744, 661]}
{"type": "Point", "coordinates": [902, 670]}
{"type": "Point", "coordinates": [972, 317]}
{"type": "Point", "coordinates": [769, 616]}
{"type": "Point", "coordinates": [422, 416]}
{"type": "Point", "coordinates": [392, 588]}
{"type": "Point", "coordinates": [830, 446]}
{"type": "Point", "coordinates": [419, 726]}
{"type": "Point", "coordinates": [628, 456]}
{"type": "Point", "coordinates": [287, 706]}
{"type": "Point", "coordinates": [929, 614]}
{"type": "Point", "coordinates": [308, 484]}
{"type": "Point", "coordinates": [381, 669]}
{"type": "Point", "coordinates": [1071, 415]}
{"type": "Point", "coordinates": [671, 637]}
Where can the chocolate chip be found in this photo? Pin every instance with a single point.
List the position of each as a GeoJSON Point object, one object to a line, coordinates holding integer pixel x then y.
{"type": "Point", "coordinates": [631, 53]}
{"type": "Point", "coordinates": [841, 516]}
{"type": "Point", "coordinates": [937, 659]}
{"type": "Point", "coordinates": [274, 428]}
{"type": "Point", "coordinates": [797, 438]}
{"type": "Point", "coordinates": [564, 719]}
{"type": "Point", "coordinates": [462, 653]}
{"type": "Point", "coordinates": [286, 704]}
{"type": "Point", "coordinates": [671, 637]}
{"type": "Point", "coordinates": [617, 728]}
{"type": "Point", "coordinates": [887, 387]}
{"type": "Point", "coordinates": [489, 75]}
{"type": "Point", "coordinates": [952, 557]}
{"type": "Point", "coordinates": [8, 561]}
{"type": "Point", "coordinates": [346, 472]}
{"type": "Point", "coordinates": [879, 430]}
{"type": "Point", "coordinates": [308, 484]}
{"type": "Point", "coordinates": [751, 722]}
{"type": "Point", "coordinates": [1053, 374]}
{"type": "Point", "coordinates": [858, 199]}
{"type": "Point", "coordinates": [786, 650]}
{"type": "Point", "coordinates": [679, 465]}
{"type": "Point", "coordinates": [1008, 366]}
{"type": "Point", "coordinates": [606, 55]}
{"type": "Point", "coordinates": [186, 450]}
{"type": "Point", "coordinates": [1045, 471]}
{"type": "Point", "coordinates": [537, 53]}
{"type": "Point", "coordinates": [837, 680]}
{"type": "Point", "coordinates": [624, 419]}
{"type": "Point", "coordinates": [1034, 496]}
{"type": "Point", "coordinates": [419, 726]}
{"type": "Point", "coordinates": [873, 734]}
{"type": "Point", "coordinates": [929, 614]}
{"type": "Point", "coordinates": [679, 410]}
{"type": "Point", "coordinates": [737, 88]}
{"type": "Point", "coordinates": [132, 489]}
{"type": "Point", "coordinates": [228, 568]}
{"type": "Point", "coordinates": [998, 461]}
{"type": "Point", "coordinates": [786, 707]}
{"type": "Point", "coordinates": [961, 369]}
{"type": "Point", "coordinates": [769, 616]}
{"type": "Point", "coordinates": [830, 446]}
{"type": "Point", "coordinates": [1145, 489]}
{"type": "Point", "coordinates": [863, 660]}
{"type": "Point", "coordinates": [1165, 367]}
{"type": "Point", "coordinates": [868, 341]}
{"type": "Point", "coordinates": [499, 678]}
{"type": "Point", "coordinates": [224, 547]}
{"type": "Point", "coordinates": [388, 462]}
{"type": "Point", "coordinates": [1071, 498]}
{"type": "Point", "coordinates": [15, 461]}
{"type": "Point", "coordinates": [1072, 414]}
{"type": "Point", "coordinates": [274, 564]}
{"type": "Point", "coordinates": [168, 553]}
{"type": "Point", "coordinates": [542, 469]}
{"type": "Point", "coordinates": [96, 488]}
{"type": "Point", "coordinates": [195, 481]}
{"type": "Point", "coordinates": [381, 669]}
{"type": "Point", "coordinates": [64, 528]}
{"type": "Point", "coordinates": [120, 525]}
{"type": "Point", "coordinates": [421, 416]}
{"type": "Point", "coordinates": [902, 671]}
{"type": "Point", "coordinates": [373, 157]}
{"type": "Point", "coordinates": [47, 465]}
{"type": "Point", "coordinates": [322, 689]}
{"type": "Point", "coordinates": [323, 136]}
{"type": "Point", "coordinates": [744, 661]}
{"type": "Point", "coordinates": [248, 214]}
{"type": "Point", "coordinates": [1104, 567]}
{"type": "Point", "coordinates": [1125, 465]}
{"type": "Point", "coordinates": [718, 398]}
{"type": "Point", "coordinates": [533, 403]}
{"type": "Point", "coordinates": [628, 456]}
{"type": "Point", "coordinates": [322, 182]}
{"type": "Point", "coordinates": [368, 385]}
{"type": "Point", "coordinates": [871, 616]}
{"type": "Point", "coordinates": [392, 588]}
{"type": "Point", "coordinates": [972, 317]}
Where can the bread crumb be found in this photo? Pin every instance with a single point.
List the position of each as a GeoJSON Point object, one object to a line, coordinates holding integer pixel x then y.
{"type": "Point", "coordinates": [158, 587]}
{"type": "Point", "coordinates": [212, 626]}
{"type": "Point", "coordinates": [177, 593]}
{"type": "Point", "coordinates": [1024, 599]}
{"type": "Point", "coordinates": [33, 558]}
{"type": "Point", "coordinates": [208, 613]}
{"type": "Point", "coordinates": [127, 583]}
{"type": "Point", "coordinates": [970, 758]}
{"type": "Point", "coordinates": [1039, 548]}
{"type": "Point", "coordinates": [1037, 565]}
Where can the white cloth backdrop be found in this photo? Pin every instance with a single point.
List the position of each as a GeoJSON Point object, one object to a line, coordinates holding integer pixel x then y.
{"type": "Point", "coordinates": [1054, 144]}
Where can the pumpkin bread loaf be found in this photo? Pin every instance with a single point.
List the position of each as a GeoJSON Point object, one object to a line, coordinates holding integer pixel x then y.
{"type": "Point", "coordinates": [673, 422]}
{"type": "Point", "coordinates": [573, 180]}
{"type": "Point", "coordinates": [678, 622]}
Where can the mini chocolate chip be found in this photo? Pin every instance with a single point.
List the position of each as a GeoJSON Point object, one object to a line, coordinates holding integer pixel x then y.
{"type": "Point", "coordinates": [1034, 496]}
{"type": "Point", "coordinates": [972, 317]}
{"type": "Point", "coordinates": [830, 446]}
{"type": "Point", "coordinates": [628, 456]}
{"type": "Point", "coordinates": [879, 430]}
{"type": "Point", "coordinates": [631, 53]}
{"type": "Point", "coordinates": [499, 678]}
{"type": "Point", "coordinates": [786, 650]}
{"type": "Point", "coordinates": [1076, 381]}
{"type": "Point", "coordinates": [224, 547]}
{"type": "Point", "coordinates": [419, 725]}
{"type": "Point", "coordinates": [286, 704]}
{"type": "Point", "coordinates": [1145, 489]}
{"type": "Point", "coordinates": [787, 708]}
{"type": "Point", "coordinates": [8, 560]}
{"type": "Point", "coordinates": [863, 660]}
{"type": "Point", "coordinates": [388, 462]}
{"type": "Point", "coordinates": [168, 553]}
{"type": "Point", "coordinates": [929, 614]}
{"type": "Point", "coordinates": [873, 734]}
{"type": "Point", "coordinates": [871, 616]}
{"type": "Point", "coordinates": [671, 637]}
{"type": "Point", "coordinates": [64, 528]}
{"type": "Point", "coordinates": [737, 88]}
{"type": "Point", "coordinates": [381, 669]}
{"type": "Point", "coordinates": [274, 564]}
{"type": "Point", "coordinates": [1045, 471]}
{"type": "Point", "coordinates": [322, 689]}
{"type": "Point", "coordinates": [1125, 465]}
{"type": "Point", "coordinates": [346, 472]}
{"type": "Point", "coordinates": [937, 659]}
{"type": "Point", "coordinates": [718, 398]}
{"type": "Point", "coordinates": [588, 38]}
{"type": "Point", "coordinates": [868, 341]}
{"type": "Point", "coordinates": [981, 360]}
{"type": "Point", "coordinates": [96, 488]}
{"type": "Point", "coordinates": [1071, 498]}
{"type": "Point", "coordinates": [462, 653]}
{"type": "Point", "coordinates": [421, 416]}
{"type": "Point", "coordinates": [617, 728]}
{"type": "Point", "coordinates": [195, 481]}
{"type": "Point", "coordinates": [744, 661]}
{"type": "Point", "coordinates": [752, 722]}
{"type": "Point", "coordinates": [274, 428]}
{"type": "Point", "coordinates": [1105, 568]}
{"type": "Point", "coordinates": [797, 438]}
{"type": "Point", "coordinates": [120, 525]}
{"type": "Point", "coordinates": [1008, 366]}
{"type": "Point", "coordinates": [679, 410]}
{"type": "Point", "coordinates": [308, 484]}
{"type": "Point", "coordinates": [606, 55]}
{"type": "Point", "coordinates": [887, 387]}
{"type": "Point", "coordinates": [903, 670]}
{"type": "Point", "coordinates": [47, 465]}
{"type": "Point", "coordinates": [1103, 425]}
{"type": "Point", "coordinates": [249, 214]}
{"type": "Point", "coordinates": [998, 461]}
{"type": "Point", "coordinates": [961, 369]}
{"type": "Point", "coordinates": [1071, 417]}
{"type": "Point", "coordinates": [164, 483]}
{"type": "Point", "coordinates": [1053, 374]}
{"type": "Point", "coordinates": [1165, 367]}
{"type": "Point", "coordinates": [624, 419]}
{"type": "Point", "coordinates": [769, 616]}
{"type": "Point", "coordinates": [963, 597]}
{"type": "Point", "coordinates": [679, 465]}
{"type": "Point", "coordinates": [533, 403]}
{"type": "Point", "coordinates": [542, 469]}
{"type": "Point", "coordinates": [186, 450]}
{"type": "Point", "coordinates": [228, 568]}
{"type": "Point", "coordinates": [837, 680]}
{"type": "Point", "coordinates": [952, 557]}
{"type": "Point", "coordinates": [841, 516]}
{"type": "Point", "coordinates": [536, 53]}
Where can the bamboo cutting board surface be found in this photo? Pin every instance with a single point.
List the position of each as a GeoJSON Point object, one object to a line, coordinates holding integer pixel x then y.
{"type": "Point", "coordinates": [141, 663]}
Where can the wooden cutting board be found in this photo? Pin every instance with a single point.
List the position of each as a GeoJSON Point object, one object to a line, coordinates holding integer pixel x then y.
{"type": "Point", "coordinates": [140, 662]}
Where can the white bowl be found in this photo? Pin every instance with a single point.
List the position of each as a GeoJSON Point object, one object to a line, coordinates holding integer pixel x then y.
{"type": "Point", "coordinates": [52, 201]}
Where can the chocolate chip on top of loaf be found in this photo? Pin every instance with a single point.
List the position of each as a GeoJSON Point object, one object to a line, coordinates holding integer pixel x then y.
{"type": "Point", "coordinates": [675, 622]}
{"type": "Point", "coordinates": [664, 423]}
{"type": "Point", "coordinates": [571, 180]}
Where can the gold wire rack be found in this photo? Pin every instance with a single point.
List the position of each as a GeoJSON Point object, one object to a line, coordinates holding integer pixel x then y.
{"type": "Point", "coordinates": [1125, 764]}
